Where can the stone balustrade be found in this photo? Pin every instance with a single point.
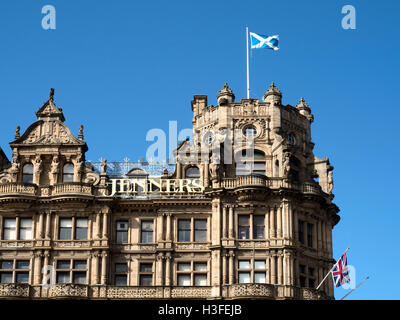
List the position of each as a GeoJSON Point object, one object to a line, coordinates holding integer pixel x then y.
{"type": "Point", "coordinates": [72, 188]}
{"type": "Point", "coordinates": [81, 291]}
{"type": "Point", "coordinates": [17, 188]}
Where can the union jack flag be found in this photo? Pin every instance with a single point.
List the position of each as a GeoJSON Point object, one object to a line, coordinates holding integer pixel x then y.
{"type": "Point", "coordinates": [340, 272]}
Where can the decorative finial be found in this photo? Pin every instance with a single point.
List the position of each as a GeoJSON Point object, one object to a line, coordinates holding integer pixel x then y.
{"type": "Point", "coordinates": [17, 132]}
{"type": "Point", "coordinates": [51, 96]}
{"type": "Point", "coordinates": [272, 85]}
{"type": "Point", "coordinates": [302, 100]}
{"type": "Point", "coordinates": [226, 85]}
{"type": "Point", "coordinates": [80, 135]}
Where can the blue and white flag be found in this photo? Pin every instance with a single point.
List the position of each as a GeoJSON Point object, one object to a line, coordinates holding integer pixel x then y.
{"type": "Point", "coordinates": [268, 42]}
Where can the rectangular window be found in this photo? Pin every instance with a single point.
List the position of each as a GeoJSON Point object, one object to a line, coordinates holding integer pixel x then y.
{"type": "Point", "coordinates": [146, 274]}
{"type": "Point", "coordinates": [80, 277]}
{"type": "Point", "coordinates": [121, 274]}
{"type": "Point", "coordinates": [184, 280]}
{"type": "Point", "coordinates": [62, 277]}
{"type": "Point", "coordinates": [76, 275]}
{"type": "Point", "coordinates": [306, 276]}
{"type": "Point", "coordinates": [244, 227]}
{"type": "Point", "coordinates": [147, 232]}
{"type": "Point", "coordinates": [183, 230]}
{"type": "Point", "coordinates": [252, 271]}
{"type": "Point", "coordinates": [25, 229]}
{"type": "Point", "coordinates": [200, 230]}
{"type": "Point", "coordinates": [200, 279]}
{"type": "Point", "coordinates": [81, 229]}
{"type": "Point", "coordinates": [9, 229]}
{"type": "Point", "coordinates": [259, 226]}
{"type": "Point", "coordinates": [309, 235]}
{"type": "Point", "coordinates": [192, 273]}
{"type": "Point", "coordinates": [244, 271]}
{"type": "Point", "coordinates": [65, 232]}
{"type": "Point", "coordinates": [122, 231]}
{"type": "Point", "coordinates": [17, 268]}
{"type": "Point", "coordinates": [301, 231]}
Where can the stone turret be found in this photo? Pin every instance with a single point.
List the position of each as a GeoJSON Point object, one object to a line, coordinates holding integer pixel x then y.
{"type": "Point", "coordinates": [273, 95]}
{"type": "Point", "coordinates": [225, 96]}
{"type": "Point", "coordinates": [305, 110]}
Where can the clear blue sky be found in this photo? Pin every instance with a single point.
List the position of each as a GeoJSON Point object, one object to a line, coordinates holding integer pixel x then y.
{"type": "Point", "coordinates": [124, 67]}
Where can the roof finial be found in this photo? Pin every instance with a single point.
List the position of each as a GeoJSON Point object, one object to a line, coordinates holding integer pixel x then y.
{"type": "Point", "coordinates": [80, 134]}
{"type": "Point", "coordinates": [51, 96]}
{"type": "Point", "coordinates": [17, 132]}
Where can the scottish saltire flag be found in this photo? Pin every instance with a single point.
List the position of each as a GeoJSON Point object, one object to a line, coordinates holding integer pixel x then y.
{"type": "Point", "coordinates": [259, 41]}
{"type": "Point", "coordinates": [340, 272]}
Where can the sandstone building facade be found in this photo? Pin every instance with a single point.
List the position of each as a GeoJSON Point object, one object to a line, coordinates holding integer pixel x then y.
{"type": "Point", "coordinates": [248, 228]}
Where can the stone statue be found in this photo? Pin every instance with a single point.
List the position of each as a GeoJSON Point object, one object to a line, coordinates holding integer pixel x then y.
{"type": "Point", "coordinates": [214, 167]}
{"type": "Point", "coordinates": [54, 170]}
{"type": "Point", "coordinates": [78, 168]}
{"type": "Point", "coordinates": [17, 132]}
{"type": "Point", "coordinates": [103, 167]}
{"type": "Point", "coordinates": [286, 166]}
{"type": "Point", "coordinates": [330, 182]}
{"type": "Point", "coordinates": [37, 169]}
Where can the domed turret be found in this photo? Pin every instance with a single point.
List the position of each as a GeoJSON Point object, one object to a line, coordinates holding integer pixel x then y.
{"type": "Point", "coordinates": [304, 109]}
{"type": "Point", "coordinates": [273, 95]}
{"type": "Point", "coordinates": [225, 96]}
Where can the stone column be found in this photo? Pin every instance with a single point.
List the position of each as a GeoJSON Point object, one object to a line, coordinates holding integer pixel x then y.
{"type": "Point", "coordinates": [224, 275]}
{"type": "Point", "coordinates": [37, 277]}
{"type": "Point", "coordinates": [160, 269]}
{"type": "Point", "coordinates": [104, 259]}
{"type": "Point", "coordinates": [224, 222]}
{"type": "Point", "coordinates": [168, 269]}
{"type": "Point", "coordinates": [268, 273]}
{"type": "Point", "coordinates": [160, 228]}
{"type": "Point", "coordinates": [97, 225]}
{"type": "Point", "coordinates": [231, 222]}
{"type": "Point", "coordinates": [266, 221]}
{"type": "Point", "coordinates": [319, 235]}
{"type": "Point", "coordinates": [178, 169]}
{"type": "Point", "coordinates": [105, 225]}
{"type": "Point", "coordinates": [329, 239]}
{"type": "Point", "coordinates": [168, 235]}
{"type": "Point", "coordinates": [280, 269]}
{"type": "Point", "coordinates": [40, 229]}
{"type": "Point", "coordinates": [272, 222]}
{"type": "Point", "coordinates": [273, 269]}
{"type": "Point", "coordinates": [279, 222]}
{"type": "Point", "coordinates": [296, 225]}
{"type": "Point", "coordinates": [95, 266]}
{"type": "Point", "coordinates": [290, 219]}
{"type": "Point", "coordinates": [48, 225]}
{"type": "Point", "coordinates": [206, 175]}
{"type": "Point", "coordinates": [231, 269]}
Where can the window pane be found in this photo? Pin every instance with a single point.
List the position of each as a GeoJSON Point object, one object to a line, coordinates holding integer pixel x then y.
{"type": "Point", "coordinates": [79, 264]}
{"type": "Point", "coordinates": [80, 277]}
{"type": "Point", "coordinates": [7, 264]}
{"type": "Point", "coordinates": [200, 224]}
{"type": "Point", "coordinates": [22, 277]}
{"type": "Point", "coordinates": [311, 271]}
{"type": "Point", "coordinates": [147, 237]}
{"type": "Point", "coordinates": [259, 264]}
{"type": "Point", "coordinates": [244, 233]}
{"type": "Point", "coordinates": [25, 234]}
{"type": "Point", "coordinates": [244, 264]}
{"type": "Point", "coordinates": [244, 227]}
{"type": "Point", "coordinates": [259, 277]}
{"type": "Point", "coordinates": [146, 267]}
{"type": "Point", "coordinates": [146, 280]}
{"type": "Point", "coordinates": [184, 224]}
{"type": "Point", "coordinates": [63, 264]}
{"type": "Point", "coordinates": [302, 268]}
{"type": "Point", "coordinates": [183, 280]}
{"type": "Point", "coordinates": [121, 267]}
{"type": "Point", "coordinates": [65, 223]}
{"type": "Point", "coordinates": [192, 173]}
{"type": "Point", "coordinates": [184, 235]}
{"type": "Point", "coordinates": [183, 266]}
{"type": "Point", "coordinates": [9, 223]}
{"type": "Point", "coordinates": [200, 236]}
{"type": "Point", "coordinates": [122, 236]}
{"type": "Point", "coordinates": [9, 234]}
{"type": "Point", "coordinates": [62, 277]}
{"type": "Point", "coordinates": [25, 223]}
{"type": "Point", "coordinates": [244, 277]}
{"type": "Point", "coordinates": [200, 266]}
{"type": "Point", "coordinates": [6, 277]}
{"type": "Point", "coordinates": [311, 283]}
{"type": "Point", "coordinates": [82, 223]}
{"type": "Point", "coordinates": [147, 225]}
{"type": "Point", "coordinates": [244, 220]}
{"type": "Point", "coordinates": [81, 233]}
{"type": "Point", "coordinates": [121, 280]}
{"type": "Point", "coordinates": [23, 264]}
{"type": "Point", "coordinates": [65, 234]}
{"type": "Point", "coordinates": [200, 279]}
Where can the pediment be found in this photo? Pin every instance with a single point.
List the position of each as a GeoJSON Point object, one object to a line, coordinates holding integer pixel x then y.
{"type": "Point", "coordinates": [48, 133]}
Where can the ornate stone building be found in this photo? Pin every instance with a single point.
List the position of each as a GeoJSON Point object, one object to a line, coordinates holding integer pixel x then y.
{"type": "Point", "coordinates": [255, 223]}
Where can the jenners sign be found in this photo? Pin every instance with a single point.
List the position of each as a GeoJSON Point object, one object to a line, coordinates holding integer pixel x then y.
{"type": "Point", "coordinates": [155, 185]}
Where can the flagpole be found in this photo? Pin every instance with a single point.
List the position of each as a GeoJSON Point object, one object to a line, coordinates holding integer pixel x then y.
{"type": "Point", "coordinates": [329, 271]}
{"type": "Point", "coordinates": [247, 53]}
{"type": "Point", "coordinates": [355, 287]}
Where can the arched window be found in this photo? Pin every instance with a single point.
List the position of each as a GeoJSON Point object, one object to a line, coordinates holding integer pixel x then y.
{"type": "Point", "coordinates": [250, 163]}
{"type": "Point", "coordinates": [68, 172]}
{"type": "Point", "coordinates": [192, 173]}
{"type": "Point", "coordinates": [27, 173]}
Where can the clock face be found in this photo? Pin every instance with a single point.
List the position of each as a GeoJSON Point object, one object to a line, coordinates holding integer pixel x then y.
{"type": "Point", "coordinates": [292, 139]}
{"type": "Point", "coordinates": [208, 138]}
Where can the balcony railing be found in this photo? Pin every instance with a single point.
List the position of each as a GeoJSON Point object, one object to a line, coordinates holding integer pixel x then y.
{"type": "Point", "coordinates": [72, 188]}
{"type": "Point", "coordinates": [17, 188]}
